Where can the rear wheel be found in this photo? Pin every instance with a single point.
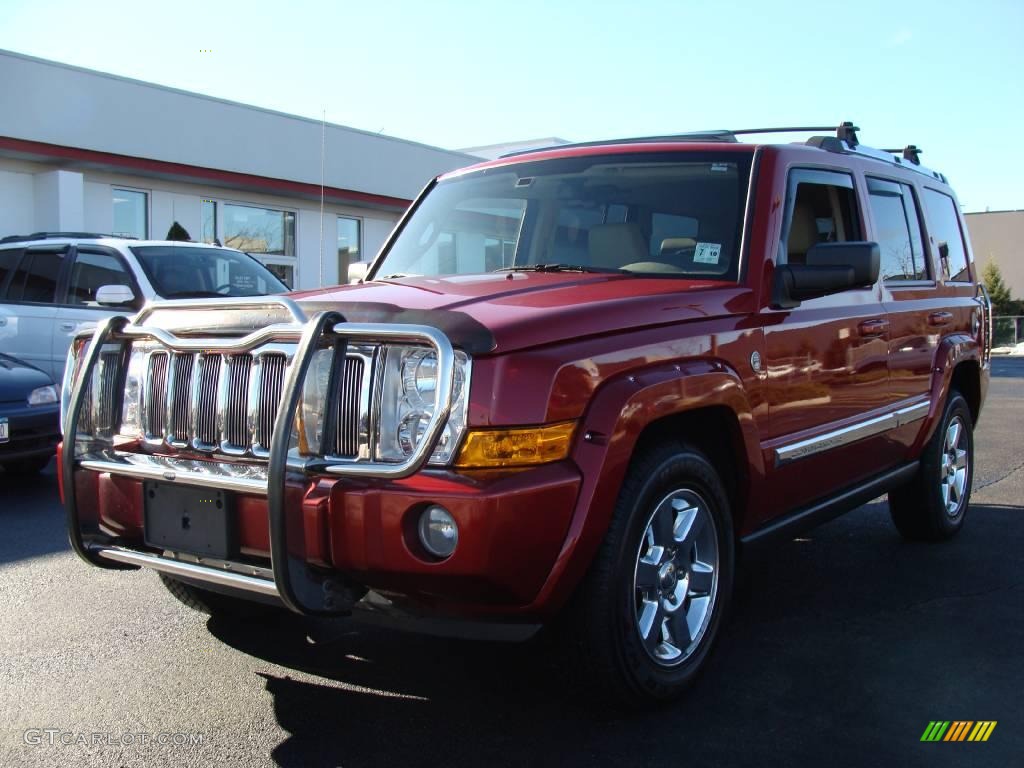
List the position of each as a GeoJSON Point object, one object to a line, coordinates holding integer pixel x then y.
{"type": "Point", "coordinates": [934, 504]}
{"type": "Point", "coordinates": [646, 618]}
{"type": "Point", "coordinates": [216, 604]}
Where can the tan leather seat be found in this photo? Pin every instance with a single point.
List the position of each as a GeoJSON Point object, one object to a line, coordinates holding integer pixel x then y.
{"type": "Point", "coordinates": [803, 233]}
{"type": "Point", "coordinates": [615, 245]}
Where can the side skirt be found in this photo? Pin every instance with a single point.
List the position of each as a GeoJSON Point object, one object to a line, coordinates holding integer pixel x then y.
{"type": "Point", "coordinates": [787, 526]}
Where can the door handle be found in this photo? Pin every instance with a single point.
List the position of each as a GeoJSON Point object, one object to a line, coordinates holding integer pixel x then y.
{"type": "Point", "coordinates": [67, 326]}
{"type": "Point", "coordinates": [877, 327]}
{"type": "Point", "coordinates": [940, 318]}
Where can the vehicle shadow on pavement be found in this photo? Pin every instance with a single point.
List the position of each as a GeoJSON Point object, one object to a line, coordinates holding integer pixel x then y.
{"type": "Point", "coordinates": [846, 643]}
{"type": "Point", "coordinates": [32, 524]}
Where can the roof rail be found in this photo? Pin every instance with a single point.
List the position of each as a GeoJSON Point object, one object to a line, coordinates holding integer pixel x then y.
{"type": "Point", "coordinates": [909, 157]}
{"type": "Point", "coordinates": [697, 136]}
{"type": "Point", "coordinates": [846, 131]}
{"type": "Point", "coordinates": [59, 235]}
{"type": "Point", "coordinates": [844, 141]}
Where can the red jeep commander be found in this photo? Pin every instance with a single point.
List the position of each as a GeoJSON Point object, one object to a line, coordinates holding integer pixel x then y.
{"type": "Point", "coordinates": [576, 383]}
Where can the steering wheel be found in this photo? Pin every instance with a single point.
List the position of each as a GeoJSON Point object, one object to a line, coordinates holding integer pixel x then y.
{"type": "Point", "coordinates": [226, 287]}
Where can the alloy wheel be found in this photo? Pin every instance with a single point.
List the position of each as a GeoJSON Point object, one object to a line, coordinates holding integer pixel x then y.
{"type": "Point", "coordinates": [675, 581]}
{"type": "Point", "coordinates": [954, 467]}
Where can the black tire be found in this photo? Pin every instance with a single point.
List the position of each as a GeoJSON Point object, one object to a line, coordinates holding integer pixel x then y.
{"type": "Point", "coordinates": [216, 604]}
{"type": "Point", "coordinates": [604, 626]}
{"type": "Point", "coordinates": [30, 466]}
{"type": "Point", "coordinates": [920, 509]}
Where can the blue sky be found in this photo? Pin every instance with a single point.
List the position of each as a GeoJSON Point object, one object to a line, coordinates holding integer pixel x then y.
{"type": "Point", "coordinates": [947, 77]}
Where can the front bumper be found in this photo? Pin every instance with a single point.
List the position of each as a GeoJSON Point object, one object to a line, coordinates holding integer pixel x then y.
{"type": "Point", "coordinates": [511, 531]}
{"type": "Point", "coordinates": [34, 431]}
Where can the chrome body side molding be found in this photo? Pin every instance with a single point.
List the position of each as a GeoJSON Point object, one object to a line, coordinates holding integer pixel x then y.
{"type": "Point", "coordinates": [852, 433]}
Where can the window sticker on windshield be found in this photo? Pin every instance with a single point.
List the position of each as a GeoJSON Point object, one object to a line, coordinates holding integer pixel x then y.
{"type": "Point", "coordinates": [707, 253]}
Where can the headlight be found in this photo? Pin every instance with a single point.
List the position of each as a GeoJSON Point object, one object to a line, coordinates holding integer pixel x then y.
{"type": "Point", "coordinates": [407, 401]}
{"type": "Point", "coordinates": [131, 403]}
{"type": "Point", "coordinates": [43, 395]}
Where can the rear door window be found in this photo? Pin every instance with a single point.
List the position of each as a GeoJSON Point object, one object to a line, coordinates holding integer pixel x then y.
{"type": "Point", "coordinates": [944, 228]}
{"type": "Point", "coordinates": [897, 230]}
{"type": "Point", "coordinates": [35, 279]}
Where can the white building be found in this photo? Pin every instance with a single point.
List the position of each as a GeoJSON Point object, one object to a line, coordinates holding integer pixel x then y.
{"type": "Point", "coordinates": [87, 151]}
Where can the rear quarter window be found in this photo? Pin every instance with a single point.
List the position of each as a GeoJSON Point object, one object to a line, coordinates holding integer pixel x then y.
{"type": "Point", "coordinates": [944, 228]}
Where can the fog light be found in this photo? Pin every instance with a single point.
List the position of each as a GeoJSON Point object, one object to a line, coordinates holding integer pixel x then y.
{"type": "Point", "coordinates": [438, 532]}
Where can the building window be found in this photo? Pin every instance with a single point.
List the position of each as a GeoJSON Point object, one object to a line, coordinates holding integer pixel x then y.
{"type": "Point", "coordinates": [208, 221]}
{"type": "Point", "coordinates": [282, 271]}
{"type": "Point", "coordinates": [131, 213]}
{"type": "Point", "coordinates": [262, 232]}
{"type": "Point", "coordinates": [259, 230]}
{"type": "Point", "coordinates": [348, 245]}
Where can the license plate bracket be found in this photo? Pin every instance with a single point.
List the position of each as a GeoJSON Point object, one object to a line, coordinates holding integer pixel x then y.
{"type": "Point", "coordinates": [185, 518]}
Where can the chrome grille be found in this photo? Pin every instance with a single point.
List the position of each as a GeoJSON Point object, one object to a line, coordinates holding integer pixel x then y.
{"type": "Point", "coordinates": [210, 401]}
{"type": "Point", "coordinates": [347, 443]}
{"type": "Point", "coordinates": [156, 410]}
{"type": "Point", "coordinates": [271, 385]}
{"type": "Point", "coordinates": [207, 395]}
{"type": "Point", "coordinates": [236, 407]}
{"type": "Point", "coordinates": [180, 400]}
{"type": "Point", "coordinates": [105, 405]}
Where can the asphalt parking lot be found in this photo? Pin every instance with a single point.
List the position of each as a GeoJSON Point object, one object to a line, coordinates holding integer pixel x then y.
{"type": "Point", "coordinates": [841, 648]}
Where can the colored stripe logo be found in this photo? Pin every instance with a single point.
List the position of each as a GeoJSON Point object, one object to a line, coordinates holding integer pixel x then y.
{"type": "Point", "coordinates": [959, 730]}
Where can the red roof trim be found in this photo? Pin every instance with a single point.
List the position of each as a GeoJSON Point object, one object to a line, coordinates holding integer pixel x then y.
{"type": "Point", "coordinates": [232, 178]}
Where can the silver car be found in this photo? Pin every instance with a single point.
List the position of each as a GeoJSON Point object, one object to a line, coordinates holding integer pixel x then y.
{"type": "Point", "coordinates": [53, 285]}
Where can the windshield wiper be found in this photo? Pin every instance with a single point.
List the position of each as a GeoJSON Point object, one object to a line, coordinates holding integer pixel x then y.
{"type": "Point", "coordinates": [557, 268]}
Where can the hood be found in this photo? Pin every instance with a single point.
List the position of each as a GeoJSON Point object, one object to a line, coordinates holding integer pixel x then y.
{"type": "Point", "coordinates": [18, 379]}
{"type": "Point", "coordinates": [513, 310]}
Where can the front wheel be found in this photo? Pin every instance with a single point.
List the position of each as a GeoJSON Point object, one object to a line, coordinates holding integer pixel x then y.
{"type": "Point", "coordinates": [646, 618]}
{"type": "Point", "coordinates": [933, 505]}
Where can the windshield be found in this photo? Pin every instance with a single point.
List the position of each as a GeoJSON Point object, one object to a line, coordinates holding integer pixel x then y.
{"type": "Point", "coordinates": [670, 214]}
{"type": "Point", "coordinates": [182, 272]}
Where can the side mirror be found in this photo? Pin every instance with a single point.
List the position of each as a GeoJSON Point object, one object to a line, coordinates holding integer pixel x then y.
{"type": "Point", "coordinates": [830, 268]}
{"type": "Point", "coordinates": [114, 295]}
{"type": "Point", "coordinates": [864, 257]}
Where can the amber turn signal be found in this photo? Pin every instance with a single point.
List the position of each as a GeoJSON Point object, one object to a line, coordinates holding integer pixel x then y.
{"type": "Point", "coordinates": [491, 448]}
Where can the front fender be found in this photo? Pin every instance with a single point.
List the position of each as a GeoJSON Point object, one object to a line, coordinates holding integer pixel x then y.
{"type": "Point", "coordinates": [607, 438]}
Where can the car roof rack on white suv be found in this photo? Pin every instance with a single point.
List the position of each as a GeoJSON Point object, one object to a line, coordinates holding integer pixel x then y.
{"type": "Point", "coordinates": [62, 235]}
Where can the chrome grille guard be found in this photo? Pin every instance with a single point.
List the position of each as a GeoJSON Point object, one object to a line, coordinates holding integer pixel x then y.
{"type": "Point", "coordinates": [296, 585]}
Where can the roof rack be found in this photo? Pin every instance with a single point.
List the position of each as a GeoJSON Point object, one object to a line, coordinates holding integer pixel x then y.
{"type": "Point", "coordinates": [62, 235]}
{"type": "Point", "coordinates": [846, 132]}
{"type": "Point", "coordinates": [844, 141]}
{"type": "Point", "coordinates": [909, 152]}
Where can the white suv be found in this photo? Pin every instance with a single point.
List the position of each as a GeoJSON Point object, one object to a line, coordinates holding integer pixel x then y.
{"type": "Point", "coordinates": [55, 284]}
